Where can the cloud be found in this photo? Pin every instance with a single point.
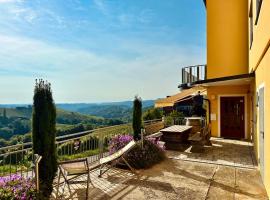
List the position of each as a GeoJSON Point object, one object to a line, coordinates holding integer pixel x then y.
{"type": "Point", "coordinates": [146, 16]}
{"type": "Point", "coordinates": [83, 76]}
{"type": "Point", "coordinates": [11, 1]}
{"type": "Point", "coordinates": [36, 56]}
{"type": "Point", "coordinates": [101, 6]}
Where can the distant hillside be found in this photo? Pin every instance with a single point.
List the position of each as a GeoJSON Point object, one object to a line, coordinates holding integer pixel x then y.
{"type": "Point", "coordinates": [17, 121]}
{"type": "Point", "coordinates": [111, 110]}
{"type": "Point", "coordinates": [24, 112]}
{"type": "Point", "coordinates": [63, 117]}
{"type": "Point", "coordinates": [108, 111]}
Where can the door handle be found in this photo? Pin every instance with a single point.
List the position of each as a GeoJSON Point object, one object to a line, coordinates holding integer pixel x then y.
{"type": "Point", "coordinates": [262, 132]}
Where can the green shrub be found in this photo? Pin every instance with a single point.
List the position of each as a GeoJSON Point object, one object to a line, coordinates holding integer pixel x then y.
{"type": "Point", "coordinates": [142, 156]}
{"type": "Point", "coordinates": [152, 113]}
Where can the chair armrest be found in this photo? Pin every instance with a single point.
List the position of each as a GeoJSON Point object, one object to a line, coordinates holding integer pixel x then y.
{"type": "Point", "coordinates": [73, 161]}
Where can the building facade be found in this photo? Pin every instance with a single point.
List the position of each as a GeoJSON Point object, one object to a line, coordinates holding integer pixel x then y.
{"type": "Point", "coordinates": [259, 64]}
{"type": "Point", "coordinates": [236, 77]}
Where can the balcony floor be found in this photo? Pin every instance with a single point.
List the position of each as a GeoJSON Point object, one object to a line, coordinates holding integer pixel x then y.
{"type": "Point", "coordinates": [224, 171]}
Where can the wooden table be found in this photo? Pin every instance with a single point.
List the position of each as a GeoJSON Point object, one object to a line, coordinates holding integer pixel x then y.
{"type": "Point", "coordinates": [175, 136]}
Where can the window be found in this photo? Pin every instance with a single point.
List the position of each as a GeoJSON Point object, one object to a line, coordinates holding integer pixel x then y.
{"type": "Point", "coordinates": [258, 9]}
{"type": "Point", "coordinates": [250, 26]}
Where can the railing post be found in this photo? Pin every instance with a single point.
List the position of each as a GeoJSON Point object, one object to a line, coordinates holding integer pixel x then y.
{"type": "Point", "coordinates": [101, 138]}
{"type": "Point", "coordinates": [190, 75]}
{"type": "Point", "coordinates": [183, 75]}
{"type": "Point", "coordinates": [205, 72]}
{"type": "Point", "coordinates": [198, 73]}
{"type": "Point", "coordinates": [36, 165]}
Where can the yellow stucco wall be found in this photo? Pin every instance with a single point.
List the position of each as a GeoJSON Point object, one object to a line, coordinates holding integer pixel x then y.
{"type": "Point", "coordinates": [263, 77]}
{"type": "Point", "coordinates": [213, 94]}
{"type": "Point", "coordinates": [227, 38]}
{"type": "Point", "coordinates": [259, 61]}
{"type": "Point", "coordinates": [261, 35]}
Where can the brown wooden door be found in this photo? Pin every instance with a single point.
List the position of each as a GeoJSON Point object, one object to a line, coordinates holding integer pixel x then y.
{"type": "Point", "coordinates": [232, 117]}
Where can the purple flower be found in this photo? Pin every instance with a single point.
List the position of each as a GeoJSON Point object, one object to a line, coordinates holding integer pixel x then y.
{"type": "Point", "coordinates": [119, 142]}
{"type": "Point", "coordinates": [17, 188]}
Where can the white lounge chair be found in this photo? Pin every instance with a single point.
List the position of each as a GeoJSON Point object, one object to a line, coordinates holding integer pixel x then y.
{"type": "Point", "coordinates": [79, 167]}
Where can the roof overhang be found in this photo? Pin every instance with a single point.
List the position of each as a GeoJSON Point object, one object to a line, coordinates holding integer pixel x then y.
{"type": "Point", "coordinates": [182, 96]}
{"type": "Point", "coordinates": [243, 79]}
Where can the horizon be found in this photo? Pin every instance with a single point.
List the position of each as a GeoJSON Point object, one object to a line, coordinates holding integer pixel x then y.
{"type": "Point", "coordinates": [98, 50]}
{"type": "Point", "coordinates": [111, 102]}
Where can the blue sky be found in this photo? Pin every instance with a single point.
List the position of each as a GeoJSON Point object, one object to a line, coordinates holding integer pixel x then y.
{"type": "Point", "coordinates": [98, 50]}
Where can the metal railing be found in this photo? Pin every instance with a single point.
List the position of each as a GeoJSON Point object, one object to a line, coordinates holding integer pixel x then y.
{"type": "Point", "coordinates": [169, 121]}
{"type": "Point", "coordinates": [19, 159]}
{"type": "Point", "coordinates": [194, 73]}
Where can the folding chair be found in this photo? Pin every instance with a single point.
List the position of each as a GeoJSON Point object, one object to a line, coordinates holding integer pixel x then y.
{"type": "Point", "coordinates": [80, 167]}
{"type": "Point", "coordinates": [71, 170]}
{"type": "Point", "coordinates": [117, 157]}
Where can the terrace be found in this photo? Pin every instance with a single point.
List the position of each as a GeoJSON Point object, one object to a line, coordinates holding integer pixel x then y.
{"type": "Point", "coordinates": [225, 170]}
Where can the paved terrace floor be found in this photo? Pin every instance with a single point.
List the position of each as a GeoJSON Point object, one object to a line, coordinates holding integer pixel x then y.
{"type": "Point", "coordinates": [224, 171]}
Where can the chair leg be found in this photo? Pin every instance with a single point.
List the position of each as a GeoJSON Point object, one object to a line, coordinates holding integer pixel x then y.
{"type": "Point", "coordinates": [58, 183]}
{"type": "Point", "coordinates": [69, 189]}
{"type": "Point", "coordinates": [88, 182]}
{"type": "Point", "coordinates": [101, 172]}
{"type": "Point", "coordinates": [131, 168]}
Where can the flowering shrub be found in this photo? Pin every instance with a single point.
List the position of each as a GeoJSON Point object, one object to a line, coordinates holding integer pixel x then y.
{"type": "Point", "coordinates": [141, 156]}
{"type": "Point", "coordinates": [118, 142]}
{"type": "Point", "coordinates": [16, 187]}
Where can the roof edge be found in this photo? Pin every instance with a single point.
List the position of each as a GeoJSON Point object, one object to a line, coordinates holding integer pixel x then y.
{"type": "Point", "coordinates": [226, 78]}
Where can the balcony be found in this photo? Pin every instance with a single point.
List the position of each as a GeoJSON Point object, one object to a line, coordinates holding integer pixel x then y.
{"type": "Point", "coordinates": [192, 74]}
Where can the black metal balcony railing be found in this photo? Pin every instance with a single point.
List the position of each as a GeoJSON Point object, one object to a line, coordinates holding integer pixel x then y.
{"type": "Point", "coordinates": [194, 73]}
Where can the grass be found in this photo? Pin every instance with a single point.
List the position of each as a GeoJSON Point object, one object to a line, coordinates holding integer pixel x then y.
{"type": "Point", "coordinates": [10, 169]}
{"type": "Point", "coordinates": [64, 126]}
{"type": "Point", "coordinates": [79, 155]}
{"type": "Point", "coordinates": [114, 130]}
{"type": "Point", "coordinates": [106, 133]}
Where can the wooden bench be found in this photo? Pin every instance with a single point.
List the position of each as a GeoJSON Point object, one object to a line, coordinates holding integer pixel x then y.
{"type": "Point", "coordinates": [199, 139]}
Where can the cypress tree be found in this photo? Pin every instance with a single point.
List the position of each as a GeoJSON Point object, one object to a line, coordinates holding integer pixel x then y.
{"type": "Point", "coordinates": [43, 134]}
{"type": "Point", "coordinates": [5, 119]}
{"type": "Point", "coordinates": [137, 117]}
{"type": "Point", "coordinates": [5, 113]}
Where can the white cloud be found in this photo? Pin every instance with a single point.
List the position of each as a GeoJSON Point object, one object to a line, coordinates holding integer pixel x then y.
{"type": "Point", "coordinates": [146, 16]}
{"type": "Point", "coordinates": [101, 6]}
{"type": "Point", "coordinates": [11, 1]}
{"type": "Point", "coordinates": [83, 76]}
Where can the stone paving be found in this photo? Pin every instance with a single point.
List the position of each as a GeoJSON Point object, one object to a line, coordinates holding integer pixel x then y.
{"type": "Point", "coordinates": [223, 151]}
{"type": "Point", "coordinates": [224, 171]}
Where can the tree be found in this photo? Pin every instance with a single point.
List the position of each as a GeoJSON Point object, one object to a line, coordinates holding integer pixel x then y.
{"type": "Point", "coordinates": [5, 119]}
{"type": "Point", "coordinates": [137, 117]}
{"type": "Point", "coordinates": [152, 113]}
{"type": "Point", "coordinates": [5, 113]}
{"type": "Point", "coordinates": [43, 134]}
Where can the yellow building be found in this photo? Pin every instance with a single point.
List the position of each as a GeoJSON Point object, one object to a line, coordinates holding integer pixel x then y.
{"type": "Point", "coordinates": [259, 63]}
{"type": "Point", "coordinates": [237, 74]}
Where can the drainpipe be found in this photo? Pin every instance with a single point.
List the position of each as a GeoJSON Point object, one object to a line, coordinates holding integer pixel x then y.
{"type": "Point", "coordinates": [209, 108]}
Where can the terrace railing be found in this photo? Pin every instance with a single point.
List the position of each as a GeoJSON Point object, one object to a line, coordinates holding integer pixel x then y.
{"type": "Point", "coordinates": [19, 159]}
{"type": "Point", "coordinates": [170, 121]}
{"type": "Point", "coordinates": [194, 73]}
